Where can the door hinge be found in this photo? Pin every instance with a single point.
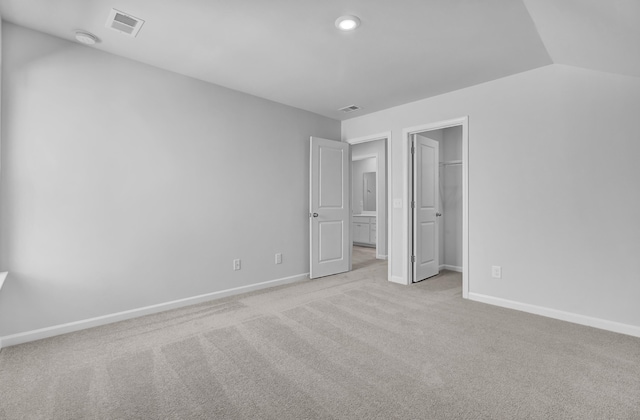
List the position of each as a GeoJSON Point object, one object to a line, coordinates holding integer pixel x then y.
{"type": "Point", "coordinates": [413, 204]}
{"type": "Point", "coordinates": [413, 258]}
{"type": "Point", "coordinates": [413, 149]}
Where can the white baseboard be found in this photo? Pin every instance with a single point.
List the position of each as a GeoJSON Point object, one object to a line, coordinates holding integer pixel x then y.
{"type": "Point", "coordinates": [381, 257]}
{"type": "Point", "coordinates": [3, 277]}
{"type": "Point", "coordinates": [401, 280]}
{"type": "Point", "coordinates": [602, 324]}
{"type": "Point", "coordinates": [25, 337]}
{"type": "Point", "coordinates": [398, 279]}
{"type": "Point", "coordinates": [363, 244]}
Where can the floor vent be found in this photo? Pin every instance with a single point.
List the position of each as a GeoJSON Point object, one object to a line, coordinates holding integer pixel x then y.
{"type": "Point", "coordinates": [349, 108]}
{"type": "Point", "coordinates": [124, 23]}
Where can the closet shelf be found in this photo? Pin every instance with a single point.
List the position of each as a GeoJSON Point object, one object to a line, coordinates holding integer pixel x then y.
{"type": "Point", "coordinates": [451, 162]}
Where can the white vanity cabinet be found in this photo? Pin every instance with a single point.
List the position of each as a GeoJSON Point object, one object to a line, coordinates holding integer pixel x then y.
{"type": "Point", "coordinates": [364, 230]}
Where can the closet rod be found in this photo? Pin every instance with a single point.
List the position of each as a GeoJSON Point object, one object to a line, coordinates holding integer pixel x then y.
{"type": "Point", "coordinates": [451, 162]}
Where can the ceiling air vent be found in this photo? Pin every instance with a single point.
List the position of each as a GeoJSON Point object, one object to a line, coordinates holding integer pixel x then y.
{"type": "Point", "coordinates": [124, 23]}
{"type": "Point", "coordinates": [349, 108]}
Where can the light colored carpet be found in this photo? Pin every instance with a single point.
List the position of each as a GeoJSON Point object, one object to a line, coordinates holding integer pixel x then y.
{"type": "Point", "coordinates": [363, 256]}
{"type": "Point", "coordinates": [352, 346]}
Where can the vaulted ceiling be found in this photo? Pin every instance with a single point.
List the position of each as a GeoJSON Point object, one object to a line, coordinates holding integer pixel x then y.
{"type": "Point", "coordinates": [289, 51]}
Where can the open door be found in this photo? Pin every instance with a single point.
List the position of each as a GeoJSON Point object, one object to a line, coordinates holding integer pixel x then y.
{"type": "Point", "coordinates": [425, 258]}
{"type": "Point", "coordinates": [329, 207]}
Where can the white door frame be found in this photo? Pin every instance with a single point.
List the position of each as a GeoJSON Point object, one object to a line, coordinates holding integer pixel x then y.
{"type": "Point", "coordinates": [407, 223]}
{"type": "Point", "coordinates": [389, 225]}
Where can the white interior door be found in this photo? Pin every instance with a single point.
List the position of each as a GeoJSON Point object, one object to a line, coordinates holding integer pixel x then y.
{"type": "Point", "coordinates": [330, 207]}
{"type": "Point", "coordinates": [425, 208]}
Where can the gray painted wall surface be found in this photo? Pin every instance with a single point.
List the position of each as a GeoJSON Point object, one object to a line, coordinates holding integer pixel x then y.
{"type": "Point", "coordinates": [552, 182]}
{"type": "Point", "coordinates": [125, 186]}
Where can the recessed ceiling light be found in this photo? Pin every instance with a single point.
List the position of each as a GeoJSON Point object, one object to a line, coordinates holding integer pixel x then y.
{"type": "Point", "coordinates": [86, 38]}
{"type": "Point", "coordinates": [347, 23]}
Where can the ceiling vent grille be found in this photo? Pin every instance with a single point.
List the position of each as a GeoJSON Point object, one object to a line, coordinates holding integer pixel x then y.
{"type": "Point", "coordinates": [124, 23]}
{"type": "Point", "coordinates": [349, 108]}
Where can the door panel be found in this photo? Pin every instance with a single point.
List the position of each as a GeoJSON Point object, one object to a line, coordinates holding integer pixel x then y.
{"type": "Point", "coordinates": [425, 198]}
{"type": "Point", "coordinates": [330, 234]}
{"type": "Point", "coordinates": [330, 177]}
{"type": "Point", "coordinates": [427, 188]}
{"type": "Point", "coordinates": [427, 232]}
{"type": "Point", "coordinates": [329, 207]}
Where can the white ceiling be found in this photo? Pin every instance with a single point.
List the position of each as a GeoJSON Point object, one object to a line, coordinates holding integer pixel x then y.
{"type": "Point", "coordinates": [289, 51]}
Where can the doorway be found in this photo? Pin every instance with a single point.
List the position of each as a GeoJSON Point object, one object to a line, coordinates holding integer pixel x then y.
{"type": "Point", "coordinates": [331, 218]}
{"type": "Point", "coordinates": [365, 191]}
{"type": "Point", "coordinates": [370, 199]}
{"type": "Point", "coordinates": [437, 190]}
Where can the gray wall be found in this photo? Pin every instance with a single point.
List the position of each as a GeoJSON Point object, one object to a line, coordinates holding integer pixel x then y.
{"type": "Point", "coordinates": [369, 148]}
{"type": "Point", "coordinates": [552, 187]}
{"type": "Point", "coordinates": [125, 186]}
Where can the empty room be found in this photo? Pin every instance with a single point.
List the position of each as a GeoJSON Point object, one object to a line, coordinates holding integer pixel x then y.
{"type": "Point", "coordinates": [297, 209]}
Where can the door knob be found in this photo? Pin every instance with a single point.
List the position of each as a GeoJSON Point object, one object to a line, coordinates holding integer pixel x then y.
{"type": "Point", "coordinates": [438, 214]}
{"type": "Point", "coordinates": [315, 214]}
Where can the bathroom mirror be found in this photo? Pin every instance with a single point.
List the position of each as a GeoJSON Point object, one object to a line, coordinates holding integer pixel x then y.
{"type": "Point", "coordinates": [369, 191]}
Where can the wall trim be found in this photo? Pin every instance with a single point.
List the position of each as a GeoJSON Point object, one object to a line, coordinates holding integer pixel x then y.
{"type": "Point", "coordinates": [381, 257]}
{"type": "Point", "coordinates": [398, 279]}
{"type": "Point", "coordinates": [25, 337]}
{"type": "Point", "coordinates": [364, 139]}
{"type": "Point", "coordinates": [364, 244]}
{"type": "Point", "coordinates": [3, 277]}
{"type": "Point", "coordinates": [363, 157]}
{"type": "Point", "coordinates": [451, 268]}
{"type": "Point", "coordinates": [589, 321]}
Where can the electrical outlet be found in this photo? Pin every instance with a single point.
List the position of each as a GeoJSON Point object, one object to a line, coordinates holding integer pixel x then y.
{"type": "Point", "coordinates": [236, 265]}
{"type": "Point", "coordinates": [496, 271]}
{"type": "Point", "coordinates": [278, 258]}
